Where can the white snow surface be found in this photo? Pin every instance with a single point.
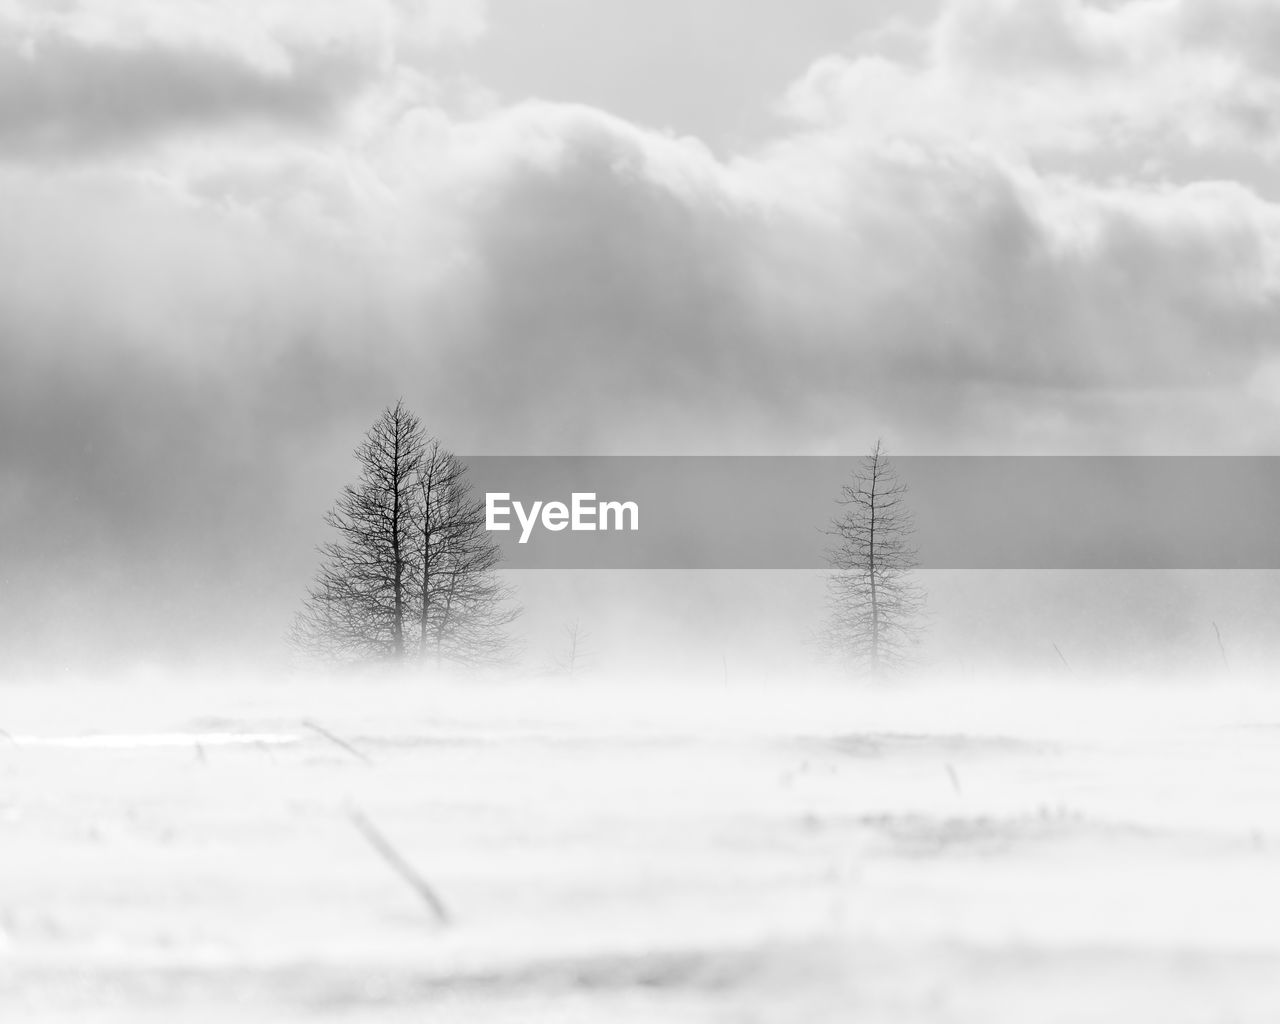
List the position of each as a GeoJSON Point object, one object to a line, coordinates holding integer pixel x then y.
{"type": "Point", "coordinates": [186, 850]}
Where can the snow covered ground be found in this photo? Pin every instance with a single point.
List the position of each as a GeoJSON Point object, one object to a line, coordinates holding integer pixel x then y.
{"type": "Point", "coordinates": [754, 852]}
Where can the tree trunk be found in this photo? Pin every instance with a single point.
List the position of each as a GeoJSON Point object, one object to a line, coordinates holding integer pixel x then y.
{"type": "Point", "coordinates": [397, 556]}
{"type": "Point", "coordinates": [871, 567]}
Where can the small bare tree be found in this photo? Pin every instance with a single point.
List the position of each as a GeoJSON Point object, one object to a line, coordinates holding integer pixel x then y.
{"type": "Point", "coordinates": [575, 656]}
{"type": "Point", "coordinates": [873, 599]}
{"type": "Point", "coordinates": [413, 571]}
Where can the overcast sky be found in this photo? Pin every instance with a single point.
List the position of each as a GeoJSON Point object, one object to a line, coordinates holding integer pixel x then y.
{"type": "Point", "coordinates": [232, 232]}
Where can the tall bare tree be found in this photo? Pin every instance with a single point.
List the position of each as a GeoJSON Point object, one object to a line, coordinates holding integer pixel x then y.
{"type": "Point", "coordinates": [873, 599]}
{"type": "Point", "coordinates": [463, 608]}
{"type": "Point", "coordinates": [412, 573]}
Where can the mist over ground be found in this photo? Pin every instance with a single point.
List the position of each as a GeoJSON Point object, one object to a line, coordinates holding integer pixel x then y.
{"type": "Point", "coordinates": [636, 624]}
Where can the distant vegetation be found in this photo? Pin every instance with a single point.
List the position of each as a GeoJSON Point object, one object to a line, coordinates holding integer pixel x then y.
{"type": "Point", "coordinates": [412, 574]}
{"type": "Point", "coordinates": [874, 603]}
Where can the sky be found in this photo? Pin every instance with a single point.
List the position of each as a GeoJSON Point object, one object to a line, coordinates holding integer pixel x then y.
{"type": "Point", "coordinates": [233, 232]}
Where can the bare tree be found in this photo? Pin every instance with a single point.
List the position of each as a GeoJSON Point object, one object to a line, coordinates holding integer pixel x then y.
{"type": "Point", "coordinates": [357, 607]}
{"type": "Point", "coordinates": [575, 655]}
{"type": "Point", "coordinates": [413, 572]}
{"type": "Point", "coordinates": [872, 596]}
{"type": "Point", "coordinates": [463, 608]}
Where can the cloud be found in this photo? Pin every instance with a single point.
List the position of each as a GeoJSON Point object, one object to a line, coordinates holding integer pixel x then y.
{"type": "Point", "coordinates": [76, 77]}
{"type": "Point", "coordinates": [1155, 81]}
{"type": "Point", "coordinates": [831, 277]}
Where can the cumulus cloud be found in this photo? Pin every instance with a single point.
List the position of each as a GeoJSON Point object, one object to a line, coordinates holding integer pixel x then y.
{"type": "Point", "coordinates": [1152, 82]}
